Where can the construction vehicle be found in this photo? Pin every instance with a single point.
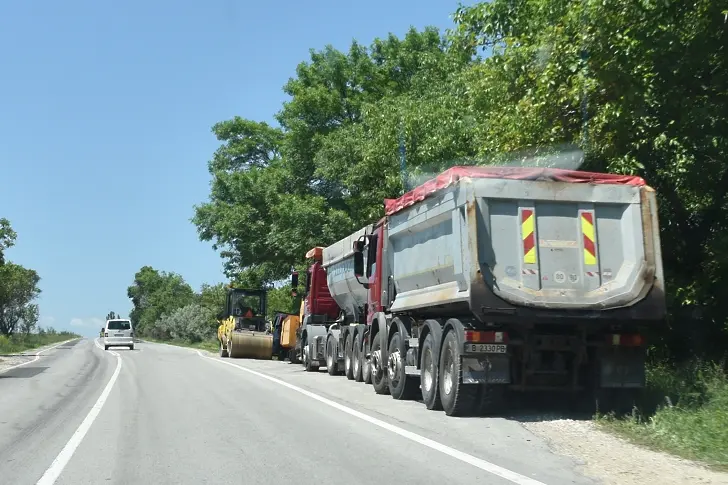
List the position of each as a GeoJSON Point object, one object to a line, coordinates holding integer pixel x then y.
{"type": "Point", "coordinates": [242, 332]}
{"type": "Point", "coordinates": [491, 280]}
{"type": "Point", "coordinates": [318, 312]}
{"type": "Point", "coordinates": [284, 335]}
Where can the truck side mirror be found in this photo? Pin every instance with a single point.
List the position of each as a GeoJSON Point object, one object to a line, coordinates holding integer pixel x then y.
{"type": "Point", "coordinates": [358, 264]}
{"type": "Point", "coordinates": [294, 280]}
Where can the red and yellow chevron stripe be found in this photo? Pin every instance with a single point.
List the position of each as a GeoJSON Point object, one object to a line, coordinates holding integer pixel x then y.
{"type": "Point", "coordinates": [529, 238]}
{"type": "Point", "coordinates": [590, 245]}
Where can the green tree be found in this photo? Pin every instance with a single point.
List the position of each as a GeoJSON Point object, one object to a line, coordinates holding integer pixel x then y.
{"type": "Point", "coordinates": [276, 193]}
{"type": "Point", "coordinates": [642, 88]}
{"type": "Point", "coordinates": [155, 293]}
{"type": "Point", "coordinates": [18, 289]}
{"type": "Point", "coordinates": [212, 299]}
{"type": "Point", "coordinates": [7, 238]}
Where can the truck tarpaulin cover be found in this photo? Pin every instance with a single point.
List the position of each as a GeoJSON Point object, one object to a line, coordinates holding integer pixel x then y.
{"type": "Point", "coordinates": [454, 174]}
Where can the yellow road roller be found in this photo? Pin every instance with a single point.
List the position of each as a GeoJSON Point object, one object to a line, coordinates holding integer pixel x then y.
{"type": "Point", "coordinates": [242, 333]}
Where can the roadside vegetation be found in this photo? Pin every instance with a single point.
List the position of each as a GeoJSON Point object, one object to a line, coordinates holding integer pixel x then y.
{"type": "Point", "coordinates": [684, 411]}
{"type": "Point", "coordinates": [625, 87]}
{"type": "Point", "coordinates": [22, 342]}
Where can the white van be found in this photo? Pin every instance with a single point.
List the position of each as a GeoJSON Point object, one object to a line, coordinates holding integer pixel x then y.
{"type": "Point", "coordinates": [117, 333]}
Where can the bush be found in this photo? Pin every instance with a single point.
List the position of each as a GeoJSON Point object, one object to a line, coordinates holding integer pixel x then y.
{"type": "Point", "coordinates": [190, 323]}
{"type": "Point", "coordinates": [684, 410]}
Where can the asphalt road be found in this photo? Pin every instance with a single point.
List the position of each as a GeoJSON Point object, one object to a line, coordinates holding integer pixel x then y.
{"type": "Point", "coordinates": [167, 415]}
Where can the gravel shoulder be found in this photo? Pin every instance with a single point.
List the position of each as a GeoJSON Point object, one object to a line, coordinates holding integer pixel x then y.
{"type": "Point", "coordinates": [617, 461]}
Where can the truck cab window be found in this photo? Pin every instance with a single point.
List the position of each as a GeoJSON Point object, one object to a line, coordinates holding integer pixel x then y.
{"type": "Point", "coordinates": [372, 256]}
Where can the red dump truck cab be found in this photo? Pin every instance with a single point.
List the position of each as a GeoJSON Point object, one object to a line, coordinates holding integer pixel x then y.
{"type": "Point", "coordinates": [318, 298]}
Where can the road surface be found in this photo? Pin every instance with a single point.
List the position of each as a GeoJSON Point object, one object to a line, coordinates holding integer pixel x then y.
{"type": "Point", "coordinates": [168, 415]}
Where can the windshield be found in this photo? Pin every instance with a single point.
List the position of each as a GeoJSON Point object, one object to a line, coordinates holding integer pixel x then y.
{"type": "Point", "coordinates": [119, 325]}
{"type": "Point", "coordinates": [245, 305]}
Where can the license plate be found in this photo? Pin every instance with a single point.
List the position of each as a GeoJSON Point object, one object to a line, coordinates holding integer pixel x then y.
{"type": "Point", "coordinates": [486, 348]}
{"type": "Point", "coordinates": [118, 334]}
{"type": "Point", "coordinates": [252, 327]}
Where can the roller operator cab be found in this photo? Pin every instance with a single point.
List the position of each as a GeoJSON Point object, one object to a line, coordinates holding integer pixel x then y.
{"type": "Point", "coordinates": [242, 331]}
{"type": "Point", "coordinates": [488, 280]}
{"type": "Point", "coordinates": [118, 333]}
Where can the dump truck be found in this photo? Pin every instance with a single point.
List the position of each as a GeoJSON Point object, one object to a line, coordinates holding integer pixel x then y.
{"type": "Point", "coordinates": [242, 331]}
{"type": "Point", "coordinates": [486, 281]}
{"type": "Point", "coordinates": [318, 313]}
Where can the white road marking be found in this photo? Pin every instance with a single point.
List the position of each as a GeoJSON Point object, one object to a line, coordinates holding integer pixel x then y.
{"type": "Point", "coordinates": [54, 471]}
{"type": "Point", "coordinates": [484, 465]}
{"type": "Point", "coordinates": [37, 356]}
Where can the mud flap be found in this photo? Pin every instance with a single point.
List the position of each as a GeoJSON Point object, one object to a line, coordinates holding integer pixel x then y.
{"type": "Point", "coordinates": [486, 369]}
{"type": "Point", "coordinates": [624, 369]}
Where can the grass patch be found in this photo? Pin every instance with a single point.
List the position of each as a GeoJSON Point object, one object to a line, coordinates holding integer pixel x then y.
{"type": "Point", "coordinates": [20, 343]}
{"type": "Point", "coordinates": [683, 411]}
{"type": "Point", "coordinates": [210, 345]}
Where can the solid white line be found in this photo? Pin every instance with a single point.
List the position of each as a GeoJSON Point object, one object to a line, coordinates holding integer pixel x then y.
{"type": "Point", "coordinates": [54, 471]}
{"type": "Point", "coordinates": [484, 465]}
{"type": "Point", "coordinates": [37, 356]}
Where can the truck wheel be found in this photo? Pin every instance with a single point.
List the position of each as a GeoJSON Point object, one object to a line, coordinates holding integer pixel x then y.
{"type": "Point", "coordinates": [331, 361]}
{"type": "Point", "coordinates": [401, 386]}
{"type": "Point", "coordinates": [379, 373]}
{"type": "Point", "coordinates": [223, 350]}
{"type": "Point", "coordinates": [356, 358]}
{"type": "Point", "coordinates": [348, 359]}
{"type": "Point", "coordinates": [429, 372]}
{"type": "Point", "coordinates": [307, 359]}
{"type": "Point", "coordinates": [458, 399]}
{"type": "Point", "coordinates": [366, 367]}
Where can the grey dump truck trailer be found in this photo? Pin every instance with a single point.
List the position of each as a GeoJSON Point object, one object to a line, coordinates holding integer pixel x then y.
{"type": "Point", "coordinates": [485, 281]}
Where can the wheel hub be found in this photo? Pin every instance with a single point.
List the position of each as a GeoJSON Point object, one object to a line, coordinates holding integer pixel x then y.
{"type": "Point", "coordinates": [393, 365]}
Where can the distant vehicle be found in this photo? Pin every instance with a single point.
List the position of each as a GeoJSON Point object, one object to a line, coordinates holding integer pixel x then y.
{"type": "Point", "coordinates": [118, 333]}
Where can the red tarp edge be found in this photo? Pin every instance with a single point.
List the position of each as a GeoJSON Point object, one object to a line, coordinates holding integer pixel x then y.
{"type": "Point", "coordinates": [452, 175]}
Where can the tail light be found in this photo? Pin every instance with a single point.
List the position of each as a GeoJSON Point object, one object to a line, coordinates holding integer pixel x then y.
{"type": "Point", "coordinates": [486, 337]}
{"type": "Point", "coordinates": [131, 334]}
{"type": "Point", "coordinates": [625, 340]}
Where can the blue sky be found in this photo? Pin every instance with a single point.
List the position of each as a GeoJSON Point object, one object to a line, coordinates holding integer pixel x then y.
{"type": "Point", "coordinates": [105, 116]}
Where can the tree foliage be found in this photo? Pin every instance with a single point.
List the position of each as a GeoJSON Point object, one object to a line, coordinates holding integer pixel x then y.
{"type": "Point", "coordinates": [630, 87]}
{"type": "Point", "coordinates": [18, 289]}
{"type": "Point", "coordinates": [190, 323]}
{"type": "Point", "coordinates": [155, 293]}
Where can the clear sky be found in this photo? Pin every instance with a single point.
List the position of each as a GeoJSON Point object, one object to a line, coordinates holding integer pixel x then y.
{"type": "Point", "coordinates": [105, 116]}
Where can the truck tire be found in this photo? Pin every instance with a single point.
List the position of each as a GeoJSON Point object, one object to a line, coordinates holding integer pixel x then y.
{"type": "Point", "coordinates": [458, 399]}
{"type": "Point", "coordinates": [366, 368]}
{"type": "Point", "coordinates": [379, 373]}
{"type": "Point", "coordinates": [331, 357]}
{"type": "Point", "coordinates": [356, 358]}
{"type": "Point", "coordinates": [401, 386]}
{"type": "Point", "coordinates": [429, 372]}
{"type": "Point", "coordinates": [348, 359]}
{"type": "Point", "coordinates": [307, 360]}
{"type": "Point", "coordinates": [223, 350]}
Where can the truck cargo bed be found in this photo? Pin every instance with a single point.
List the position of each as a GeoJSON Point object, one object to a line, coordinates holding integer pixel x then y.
{"type": "Point", "coordinates": [497, 244]}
